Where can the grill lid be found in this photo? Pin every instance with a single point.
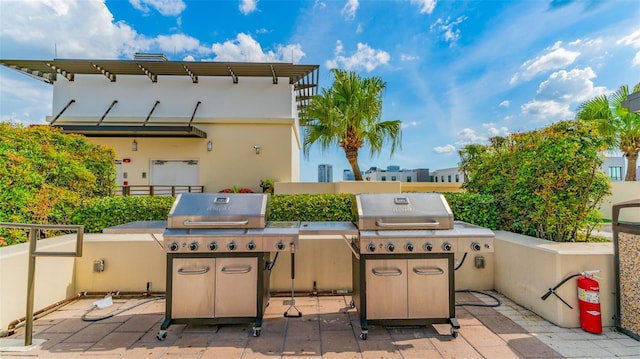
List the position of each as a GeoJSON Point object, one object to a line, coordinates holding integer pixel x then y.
{"type": "Point", "coordinates": [218, 210]}
{"type": "Point", "coordinates": [393, 211]}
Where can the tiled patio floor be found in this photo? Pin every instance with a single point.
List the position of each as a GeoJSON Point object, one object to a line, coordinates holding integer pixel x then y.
{"type": "Point", "coordinates": [329, 328]}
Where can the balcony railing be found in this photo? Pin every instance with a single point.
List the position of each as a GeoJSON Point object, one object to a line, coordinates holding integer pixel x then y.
{"type": "Point", "coordinates": [157, 190]}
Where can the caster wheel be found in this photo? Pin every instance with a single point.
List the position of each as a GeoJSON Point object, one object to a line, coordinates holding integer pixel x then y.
{"type": "Point", "coordinates": [454, 332]}
{"type": "Point", "coordinates": [161, 335]}
{"type": "Point", "coordinates": [363, 336]}
{"type": "Point", "coordinates": [256, 332]}
{"type": "Point", "coordinates": [352, 304]}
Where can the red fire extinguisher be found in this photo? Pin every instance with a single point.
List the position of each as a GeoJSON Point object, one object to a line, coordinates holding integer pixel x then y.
{"type": "Point", "coordinates": [588, 300]}
{"type": "Point", "coordinates": [589, 303]}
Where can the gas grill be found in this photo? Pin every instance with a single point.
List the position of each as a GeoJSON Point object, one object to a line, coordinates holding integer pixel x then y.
{"type": "Point", "coordinates": [403, 261]}
{"type": "Point", "coordinates": [218, 249]}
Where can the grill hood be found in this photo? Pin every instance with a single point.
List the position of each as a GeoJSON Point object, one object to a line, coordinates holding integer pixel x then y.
{"type": "Point", "coordinates": [218, 210]}
{"type": "Point", "coordinates": [400, 211]}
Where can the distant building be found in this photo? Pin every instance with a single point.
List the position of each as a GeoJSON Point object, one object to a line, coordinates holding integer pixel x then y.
{"type": "Point", "coordinates": [347, 175]}
{"type": "Point", "coordinates": [615, 167]}
{"type": "Point", "coordinates": [325, 173]}
{"type": "Point", "coordinates": [394, 173]}
{"type": "Point", "coordinates": [451, 174]}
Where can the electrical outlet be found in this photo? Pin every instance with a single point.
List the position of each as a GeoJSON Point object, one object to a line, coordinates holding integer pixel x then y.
{"type": "Point", "coordinates": [98, 266]}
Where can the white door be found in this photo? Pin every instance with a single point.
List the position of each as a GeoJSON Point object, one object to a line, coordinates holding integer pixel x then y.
{"type": "Point", "coordinates": [174, 172]}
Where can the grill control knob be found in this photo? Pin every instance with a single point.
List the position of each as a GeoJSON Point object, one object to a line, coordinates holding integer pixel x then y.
{"type": "Point", "coordinates": [174, 246]}
{"type": "Point", "coordinates": [213, 245]}
{"type": "Point", "coordinates": [391, 247]}
{"type": "Point", "coordinates": [371, 247]}
{"type": "Point", "coordinates": [428, 247]}
{"type": "Point", "coordinates": [193, 246]}
{"type": "Point", "coordinates": [232, 246]}
{"type": "Point", "coordinates": [475, 246]}
{"type": "Point", "coordinates": [446, 246]}
{"type": "Point", "coordinates": [251, 245]}
{"type": "Point", "coordinates": [280, 245]}
{"type": "Point", "coordinates": [409, 247]}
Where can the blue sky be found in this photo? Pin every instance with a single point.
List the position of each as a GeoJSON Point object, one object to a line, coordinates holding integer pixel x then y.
{"type": "Point", "coordinates": [457, 72]}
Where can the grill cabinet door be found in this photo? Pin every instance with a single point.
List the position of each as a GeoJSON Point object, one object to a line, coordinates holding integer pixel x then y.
{"type": "Point", "coordinates": [193, 287]}
{"type": "Point", "coordinates": [236, 287]}
{"type": "Point", "coordinates": [386, 290]}
{"type": "Point", "coordinates": [428, 288]}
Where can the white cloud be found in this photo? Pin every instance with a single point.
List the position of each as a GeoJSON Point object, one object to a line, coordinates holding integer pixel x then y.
{"type": "Point", "coordinates": [555, 58]}
{"type": "Point", "coordinates": [547, 111]}
{"type": "Point", "coordinates": [245, 48]}
{"type": "Point", "coordinates": [32, 98]}
{"type": "Point", "coordinates": [448, 149]}
{"type": "Point", "coordinates": [365, 57]}
{"type": "Point", "coordinates": [426, 6]}
{"type": "Point", "coordinates": [349, 10]}
{"type": "Point", "coordinates": [410, 124]}
{"type": "Point", "coordinates": [446, 27]}
{"type": "Point", "coordinates": [179, 43]}
{"type": "Point", "coordinates": [164, 7]}
{"type": "Point", "coordinates": [562, 90]}
{"type": "Point", "coordinates": [493, 131]}
{"type": "Point", "coordinates": [77, 29]}
{"type": "Point", "coordinates": [405, 57]}
{"type": "Point", "coordinates": [248, 6]}
{"type": "Point", "coordinates": [632, 40]}
{"type": "Point", "coordinates": [505, 103]}
{"type": "Point", "coordinates": [468, 136]}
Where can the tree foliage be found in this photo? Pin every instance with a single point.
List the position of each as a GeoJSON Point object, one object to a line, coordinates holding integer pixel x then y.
{"type": "Point", "coordinates": [45, 175]}
{"type": "Point", "coordinates": [348, 114]}
{"type": "Point", "coordinates": [547, 182]}
{"type": "Point", "coordinates": [619, 127]}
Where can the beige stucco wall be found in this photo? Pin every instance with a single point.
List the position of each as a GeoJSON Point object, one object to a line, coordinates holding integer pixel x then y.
{"type": "Point", "coordinates": [337, 187]}
{"type": "Point", "coordinates": [622, 192]}
{"type": "Point", "coordinates": [526, 267]}
{"type": "Point", "coordinates": [54, 277]}
{"type": "Point", "coordinates": [233, 161]}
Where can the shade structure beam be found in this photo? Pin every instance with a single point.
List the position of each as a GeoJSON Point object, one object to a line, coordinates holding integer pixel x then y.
{"type": "Point", "coordinates": [105, 72]}
{"type": "Point", "coordinates": [151, 75]}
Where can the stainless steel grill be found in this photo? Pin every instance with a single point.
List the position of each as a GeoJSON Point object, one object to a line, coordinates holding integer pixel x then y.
{"type": "Point", "coordinates": [403, 263]}
{"type": "Point", "coordinates": [218, 258]}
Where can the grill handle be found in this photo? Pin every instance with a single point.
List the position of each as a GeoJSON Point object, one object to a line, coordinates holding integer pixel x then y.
{"type": "Point", "coordinates": [387, 272]}
{"type": "Point", "coordinates": [428, 271]}
{"type": "Point", "coordinates": [189, 223]}
{"type": "Point", "coordinates": [381, 223]}
{"type": "Point", "coordinates": [244, 270]}
{"type": "Point", "coordinates": [192, 272]}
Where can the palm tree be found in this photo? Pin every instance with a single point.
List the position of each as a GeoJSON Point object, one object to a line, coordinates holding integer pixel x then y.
{"type": "Point", "coordinates": [348, 114]}
{"type": "Point", "coordinates": [619, 126]}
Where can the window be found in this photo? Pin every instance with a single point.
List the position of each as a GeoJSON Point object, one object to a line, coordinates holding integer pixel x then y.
{"type": "Point", "coordinates": [384, 178]}
{"type": "Point", "coordinates": [457, 178]}
{"type": "Point", "coordinates": [441, 178]}
{"type": "Point", "coordinates": [408, 178]}
{"type": "Point", "coordinates": [393, 178]}
{"type": "Point", "coordinates": [449, 178]}
{"type": "Point", "coordinates": [615, 173]}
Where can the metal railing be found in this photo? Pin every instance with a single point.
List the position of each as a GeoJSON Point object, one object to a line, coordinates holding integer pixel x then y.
{"type": "Point", "coordinates": [157, 190]}
{"type": "Point", "coordinates": [34, 231]}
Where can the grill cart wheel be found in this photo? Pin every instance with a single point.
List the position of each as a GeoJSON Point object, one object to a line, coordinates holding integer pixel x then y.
{"type": "Point", "coordinates": [256, 332]}
{"type": "Point", "coordinates": [352, 304]}
{"type": "Point", "coordinates": [454, 332]}
{"type": "Point", "coordinates": [363, 335]}
{"type": "Point", "coordinates": [161, 335]}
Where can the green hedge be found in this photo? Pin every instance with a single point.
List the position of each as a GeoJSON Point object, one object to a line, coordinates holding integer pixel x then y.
{"type": "Point", "coordinates": [105, 212]}
{"type": "Point", "coordinates": [312, 207]}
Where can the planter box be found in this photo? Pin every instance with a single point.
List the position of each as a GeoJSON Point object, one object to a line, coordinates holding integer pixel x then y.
{"type": "Point", "coordinates": [526, 267]}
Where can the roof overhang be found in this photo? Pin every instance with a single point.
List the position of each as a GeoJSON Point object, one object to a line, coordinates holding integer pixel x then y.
{"type": "Point", "coordinates": [133, 131]}
{"type": "Point", "coordinates": [632, 102]}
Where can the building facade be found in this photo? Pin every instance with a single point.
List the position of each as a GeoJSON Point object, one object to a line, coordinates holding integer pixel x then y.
{"type": "Point", "coordinates": [183, 123]}
{"type": "Point", "coordinates": [325, 173]}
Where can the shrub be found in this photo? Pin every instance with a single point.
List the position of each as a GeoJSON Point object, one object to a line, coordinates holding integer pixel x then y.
{"type": "Point", "coordinates": [479, 209]}
{"type": "Point", "coordinates": [45, 174]}
{"type": "Point", "coordinates": [547, 183]}
{"type": "Point", "coordinates": [312, 207]}
{"type": "Point", "coordinates": [105, 212]}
